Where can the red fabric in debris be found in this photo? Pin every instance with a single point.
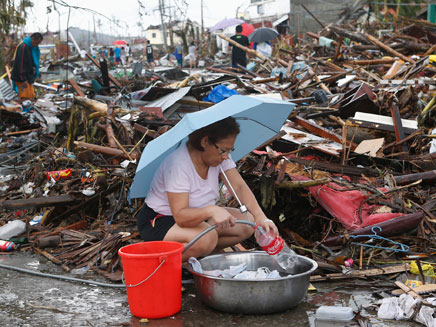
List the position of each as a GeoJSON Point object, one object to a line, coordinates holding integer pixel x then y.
{"type": "Point", "coordinates": [344, 205]}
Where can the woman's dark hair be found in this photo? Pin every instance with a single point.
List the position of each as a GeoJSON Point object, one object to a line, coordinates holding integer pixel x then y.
{"type": "Point", "coordinates": [215, 132]}
{"type": "Point", "coordinates": [37, 36]}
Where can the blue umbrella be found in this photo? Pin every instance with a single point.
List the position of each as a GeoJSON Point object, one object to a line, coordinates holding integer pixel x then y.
{"type": "Point", "coordinates": [259, 121]}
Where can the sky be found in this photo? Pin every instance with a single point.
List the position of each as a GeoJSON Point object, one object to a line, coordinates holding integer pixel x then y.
{"type": "Point", "coordinates": [127, 12]}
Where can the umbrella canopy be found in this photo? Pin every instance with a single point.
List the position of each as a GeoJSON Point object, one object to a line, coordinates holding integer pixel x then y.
{"type": "Point", "coordinates": [247, 29]}
{"type": "Point", "coordinates": [259, 121]}
{"type": "Point", "coordinates": [119, 42]}
{"type": "Point", "coordinates": [225, 23]}
{"type": "Point", "coordinates": [263, 34]}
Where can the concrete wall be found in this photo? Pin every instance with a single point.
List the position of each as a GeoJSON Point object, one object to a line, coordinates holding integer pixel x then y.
{"type": "Point", "coordinates": [327, 11]}
{"type": "Point", "coordinates": [272, 9]}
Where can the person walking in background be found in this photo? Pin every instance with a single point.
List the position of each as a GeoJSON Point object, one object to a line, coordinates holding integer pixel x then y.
{"type": "Point", "coordinates": [128, 52]}
{"type": "Point", "coordinates": [193, 56]}
{"type": "Point", "coordinates": [117, 52]}
{"type": "Point", "coordinates": [149, 53]}
{"type": "Point", "coordinates": [238, 55]}
{"type": "Point", "coordinates": [111, 54]}
{"type": "Point", "coordinates": [179, 54]}
{"type": "Point", "coordinates": [123, 56]}
{"type": "Point", "coordinates": [26, 65]}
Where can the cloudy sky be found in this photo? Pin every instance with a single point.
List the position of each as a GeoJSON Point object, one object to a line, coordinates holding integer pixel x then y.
{"type": "Point", "coordinates": [105, 13]}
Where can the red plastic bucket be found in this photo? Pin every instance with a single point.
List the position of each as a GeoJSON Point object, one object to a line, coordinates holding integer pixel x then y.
{"type": "Point", "coordinates": [153, 277]}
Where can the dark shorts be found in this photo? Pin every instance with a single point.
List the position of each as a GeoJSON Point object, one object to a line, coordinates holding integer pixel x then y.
{"type": "Point", "coordinates": [117, 59]}
{"type": "Point", "coordinates": [150, 59]}
{"type": "Point", "coordinates": [151, 225]}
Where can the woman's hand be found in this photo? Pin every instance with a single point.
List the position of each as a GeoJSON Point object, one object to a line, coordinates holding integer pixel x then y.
{"type": "Point", "coordinates": [222, 218]}
{"type": "Point", "coordinates": [267, 225]}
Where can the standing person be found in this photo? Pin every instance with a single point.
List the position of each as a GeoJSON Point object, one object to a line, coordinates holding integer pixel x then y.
{"type": "Point", "coordinates": [123, 56]}
{"type": "Point", "coordinates": [181, 202]}
{"type": "Point", "coordinates": [117, 52]}
{"type": "Point", "coordinates": [193, 56]}
{"type": "Point", "coordinates": [128, 52]}
{"type": "Point", "coordinates": [239, 55]}
{"type": "Point", "coordinates": [111, 54]}
{"type": "Point", "coordinates": [26, 65]}
{"type": "Point", "coordinates": [150, 56]}
{"type": "Point", "coordinates": [179, 53]}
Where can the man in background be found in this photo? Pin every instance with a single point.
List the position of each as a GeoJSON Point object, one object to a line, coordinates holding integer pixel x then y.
{"type": "Point", "coordinates": [117, 53]}
{"type": "Point", "coordinates": [238, 55]}
{"type": "Point", "coordinates": [149, 53]}
{"type": "Point", "coordinates": [179, 54]}
{"type": "Point", "coordinates": [26, 65]}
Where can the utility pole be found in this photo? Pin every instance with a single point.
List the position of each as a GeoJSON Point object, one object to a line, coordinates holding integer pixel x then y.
{"type": "Point", "coordinates": [202, 22]}
{"type": "Point", "coordinates": [170, 25]}
{"type": "Point", "coordinates": [95, 33]}
{"type": "Point", "coordinates": [164, 29]}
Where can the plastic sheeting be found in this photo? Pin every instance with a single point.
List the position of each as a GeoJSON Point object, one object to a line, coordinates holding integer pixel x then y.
{"type": "Point", "coordinates": [345, 205]}
{"type": "Point", "coordinates": [219, 93]}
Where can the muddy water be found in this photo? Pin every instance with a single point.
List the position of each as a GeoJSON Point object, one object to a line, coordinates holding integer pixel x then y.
{"type": "Point", "coordinates": [28, 300]}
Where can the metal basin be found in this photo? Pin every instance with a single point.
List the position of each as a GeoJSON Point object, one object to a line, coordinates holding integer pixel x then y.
{"type": "Point", "coordinates": [249, 296]}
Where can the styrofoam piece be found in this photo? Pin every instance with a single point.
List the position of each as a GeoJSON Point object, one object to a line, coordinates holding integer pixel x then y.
{"type": "Point", "coordinates": [334, 314]}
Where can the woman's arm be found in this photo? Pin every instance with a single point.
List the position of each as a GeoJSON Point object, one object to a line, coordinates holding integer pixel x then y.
{"type": "Point", "coordinates": [248, 199]}
{"type": "Point", "coordinates": [190, 217]}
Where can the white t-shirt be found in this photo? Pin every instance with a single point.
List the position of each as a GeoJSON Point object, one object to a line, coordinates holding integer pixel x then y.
{"type": "Point", "coordinates": [177, 174]}
{"type": "Point", "coordinates": [192, 51]}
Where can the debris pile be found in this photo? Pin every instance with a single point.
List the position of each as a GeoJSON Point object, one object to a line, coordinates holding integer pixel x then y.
{"type": "Point", "coordinates": [349, 177]}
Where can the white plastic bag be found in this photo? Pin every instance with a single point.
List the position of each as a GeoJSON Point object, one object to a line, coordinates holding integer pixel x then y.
{"type": "Point", "coordinates": [388, 308]}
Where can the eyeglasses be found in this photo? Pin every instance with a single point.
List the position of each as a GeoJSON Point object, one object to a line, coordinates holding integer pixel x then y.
{"type": "Point", "coordinates": [222, 151]}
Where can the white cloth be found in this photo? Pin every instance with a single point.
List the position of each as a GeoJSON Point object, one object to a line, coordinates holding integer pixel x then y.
{"type": "Point", "coordinates": [264, 49]}
{"type": "Point", "coordinates": [236, 272]}
{"type": "Point", "coordinates": [177, 174]}
{"type": "Point", "coordinates": [192, 54]}
{"type": "Point", "coordinates": [403, 308]}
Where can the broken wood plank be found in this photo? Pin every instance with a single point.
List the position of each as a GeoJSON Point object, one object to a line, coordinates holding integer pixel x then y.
{"type": "Point", "coordinates": [46, 201]}
{"type": "Point", "coordinates": [398, 126]}
{"type": "Point", "coordinates": [311, 141]}
{"type": "Point", "coordinates": [388, 49]}
{"type": "Point", "coordinates": [313, 16]}
{"type": "Point", "coordinates": [321, 131]}
{"type": "Point", "coordinates": [101, 149]}
{"type": "Point", "coordinates": [48, 256]}
{"type": "Point", "coordinates": [366, 62]}
{"type": "Point", "coordinates": [363, 273]}
{"type": "Point", "coordinates": [95, 62]}
{"type": "Point", "coordinates": [410, 178]}
{"type": "Point", "coordinates": [76, 87]}
{"type": "Point", "coordinates": [335, 168]}
{"type": "Point", "coordinates": [91, 104]}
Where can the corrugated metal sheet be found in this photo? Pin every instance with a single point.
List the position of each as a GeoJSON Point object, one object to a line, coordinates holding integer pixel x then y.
{"type": "Point", "coordinates": [168, 100]}
{"type": "Point", "coordinates": [6, 91]}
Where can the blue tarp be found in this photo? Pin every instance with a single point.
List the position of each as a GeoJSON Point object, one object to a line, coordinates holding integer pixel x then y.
{"type": "Point", "coordinates": [219, 93]}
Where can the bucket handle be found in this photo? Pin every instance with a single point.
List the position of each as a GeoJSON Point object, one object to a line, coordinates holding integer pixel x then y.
{"type": "Point", "coordinates": [163, 260]}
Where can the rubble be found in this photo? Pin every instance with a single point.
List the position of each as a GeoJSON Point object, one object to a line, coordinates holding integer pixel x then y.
{"type": "Point", "coordinates": [349, 176]}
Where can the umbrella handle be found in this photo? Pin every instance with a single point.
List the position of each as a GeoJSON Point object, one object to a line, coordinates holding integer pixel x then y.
{"type": "Point", "coordinates": [207, 230]}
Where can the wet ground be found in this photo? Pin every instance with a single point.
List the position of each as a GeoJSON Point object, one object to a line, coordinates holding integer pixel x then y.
{"type": "Point", "coordinates": [28, 300]}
